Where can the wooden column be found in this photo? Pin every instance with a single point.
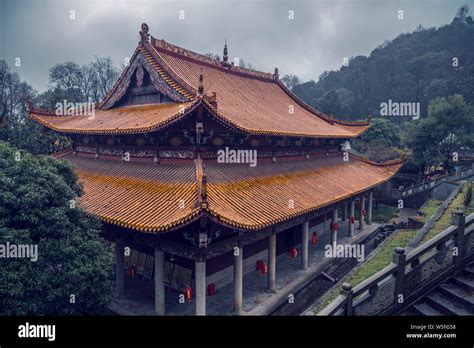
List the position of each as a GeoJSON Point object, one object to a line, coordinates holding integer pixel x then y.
{"type": "Point", "coordinates": [304, 245]}
{"type": "Point", "coordinates": [238, 275]}
{"type": "Point", "coordinates": [369, 209]}
{"type": "Point", "coordinates": [361, 216]}
{"type": "Point", "coordinates": [271, 263]}
{"type": "Point", "coordinates": [351, 224]}
{"type": "Point", "coordinates": [119, 273]}
{"type": "Point", "coordinates": [159, 282]}
{"type": "Point", "coordinates": [200, 280]}
{"type": "Point", "coordinates": [333, 230]}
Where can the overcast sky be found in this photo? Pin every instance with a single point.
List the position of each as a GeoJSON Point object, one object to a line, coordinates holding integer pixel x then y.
{"type": "Point", "coordinates": [260, 32]}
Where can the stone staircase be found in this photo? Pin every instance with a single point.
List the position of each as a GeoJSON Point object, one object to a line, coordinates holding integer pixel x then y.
{"type": "Point", "coordinates": [454, 297]}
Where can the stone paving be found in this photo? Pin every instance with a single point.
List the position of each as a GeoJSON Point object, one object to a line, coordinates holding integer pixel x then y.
{"type": "Point", "coordinates": [256, 300]}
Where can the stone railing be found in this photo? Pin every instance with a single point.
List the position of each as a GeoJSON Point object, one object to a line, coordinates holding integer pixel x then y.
{"type": "Point", "coordinates": [410, 275]}
{"type": "Point", "coordinates": [429, 185]}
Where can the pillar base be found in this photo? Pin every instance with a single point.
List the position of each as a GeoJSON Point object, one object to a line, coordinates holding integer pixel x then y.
{"type": "Point", "coordinates": [271, 291]}
{"type": "Point", "coordinates": [238, 312]}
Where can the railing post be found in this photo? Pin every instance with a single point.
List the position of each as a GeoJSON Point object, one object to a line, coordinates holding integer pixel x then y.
{"type": "Point", "coordinates": [399, 258]}
{"type": "Point", "coordinates": [347, 291]}
{"type": "Point", "coordinates": [460, 221]}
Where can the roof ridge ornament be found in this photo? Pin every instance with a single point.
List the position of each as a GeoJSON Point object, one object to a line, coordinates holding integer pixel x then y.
{"type": "Point", "coordinates": [225, 56]}
{"type": "Point", "coordinates": [201, 84]}
{"type": "Point", "coordinates": [144, 32]}
{"type": "Point", "coordinates": [276, 76]}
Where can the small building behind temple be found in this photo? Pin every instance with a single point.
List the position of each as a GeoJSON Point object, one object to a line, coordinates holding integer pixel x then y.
{"type": "Point", "coordinates": [203, 171]}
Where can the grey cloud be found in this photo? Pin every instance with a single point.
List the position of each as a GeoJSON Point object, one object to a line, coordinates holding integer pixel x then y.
{"type": "Point", "coordinates": [259, 32]}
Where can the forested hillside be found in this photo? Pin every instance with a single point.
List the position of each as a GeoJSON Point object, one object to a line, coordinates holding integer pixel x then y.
{"type": "Point", "coordinates": [415, 67]}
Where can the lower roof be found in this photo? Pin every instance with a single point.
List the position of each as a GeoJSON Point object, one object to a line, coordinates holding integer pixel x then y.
{"type": "Point", "coordinates": [156, 197]}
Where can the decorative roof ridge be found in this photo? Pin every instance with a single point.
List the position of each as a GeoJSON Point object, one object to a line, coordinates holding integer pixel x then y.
{"type": "Point", "coordinates": [124, 72]}
{"type": "Point", "coordinates": [150, 49]}
{"type": "Point", "coordinates": [320, 114]}
{"type": "Point", "coordinates": [201, 179]}
{"type": "Point", "coordinates": [379, 164]}
{"type": "Point", "coordinates": [180, 52]}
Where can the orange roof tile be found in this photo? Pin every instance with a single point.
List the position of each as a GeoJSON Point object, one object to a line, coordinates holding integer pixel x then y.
{"type": "Point", "coordinates": [253, 198]}
{"type": "Point", "coordinates": [147, 196]}
{"type": "Point", "coordinates": [251, 100]}
{"type": "Point", "coordinates": [128, 119]}
{"type": "Point", "coordinates": [141, 196]}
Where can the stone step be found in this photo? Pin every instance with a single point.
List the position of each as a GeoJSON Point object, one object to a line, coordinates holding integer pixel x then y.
{"type": "Point", "coordinates": [465, 282]}
{"type": "Point", "coordinates": [444, 305]}
{"type": "Point", "coordinates": [424, 309]}
{"type": "Point", "coordinates": [457, 294]}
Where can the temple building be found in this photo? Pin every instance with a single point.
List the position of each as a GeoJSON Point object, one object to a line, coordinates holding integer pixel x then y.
{"type": "Point", "coordinates": [206, 171]}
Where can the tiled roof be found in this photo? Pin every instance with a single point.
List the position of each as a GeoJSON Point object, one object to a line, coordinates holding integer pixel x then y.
{"type": "Point", "coordinates": [141, 196]}
{"type": "Point", "coordinates": [270, 193]}
{"type": "Point", "coordinates": [150, 197]}
{"type": "Point", "coordinates": [252, 102]}
{"type": "Point", "coordinates": [128, 119]}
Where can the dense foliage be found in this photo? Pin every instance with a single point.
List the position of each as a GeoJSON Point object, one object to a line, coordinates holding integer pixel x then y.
{"type": "Point", "coordinates": [73, 265]}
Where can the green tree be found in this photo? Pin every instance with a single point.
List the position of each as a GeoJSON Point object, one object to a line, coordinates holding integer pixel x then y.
{"type": "Point", "coordinates": [448, 127]}
{"type": "Point", "coordinates": [382, 130]}
{"type": "Point", "coordinates": [330, 104]}
{"type": "Point", "coordinates": [15, 125]}
{"type": "Point", "coordinates": [35, 209]}
{"type": "Point", "coordinates": [290, 80]}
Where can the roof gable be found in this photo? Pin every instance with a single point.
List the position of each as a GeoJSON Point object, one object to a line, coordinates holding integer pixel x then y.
{"type": "Point", "coordinates": [140, 65]}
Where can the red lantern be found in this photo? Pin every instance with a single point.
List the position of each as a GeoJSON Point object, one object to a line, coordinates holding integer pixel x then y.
{"type": "Point", "coordinates": [264, 268]}
{"type": "Point", "coordinates": [364, 212]}
{"type": "Point", "coordinates": [211, 289]}
{"type": "Point", "coordinates": [132, 271]}
{"type": "Point", "coordinates": [259, 265]}
{"type": "Point", "coordinates": [314, 239]}
{"type": "Point", "coordinates": [353, 220]}
{"type": "Point", "coordinates": [293, 253]}
{"type": "Point", "coordinates": [335, 226]}
{"type": "Point", "coordinates": [188, 293]}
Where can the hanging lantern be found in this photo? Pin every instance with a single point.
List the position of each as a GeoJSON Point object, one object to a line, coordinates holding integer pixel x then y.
{"type": "Point", "coordinates": [259, 265]}
{"type": "Point", "coordinates": [293, 253]}
{"type": "Point", "coordinates": [211, 289]}
{"type": "Point", "coordinates": [188, 293]}
{"type": "Point", "coordinates": [353, 220]}
{"type": "Point", "coordinates": [364, 212]}
{"type": "Point", "coordinates": [264, 268]}
{"type": "Point", "coordinates": [335, 226]}
{"type": "Point", "coordinates": [132, 271]}
{"type": "Point", "coordinates": [314, 239]}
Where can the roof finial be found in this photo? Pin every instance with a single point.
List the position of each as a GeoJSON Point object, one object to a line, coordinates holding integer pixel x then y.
{"type": "Point", "coordinates": [144, 32]}
{"type": "Point", "coordinates": [201, 84]}
{"type": "Point", "coordinates": [275, 74]}
{"type": "Point", "coordinates": [225, 57]}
